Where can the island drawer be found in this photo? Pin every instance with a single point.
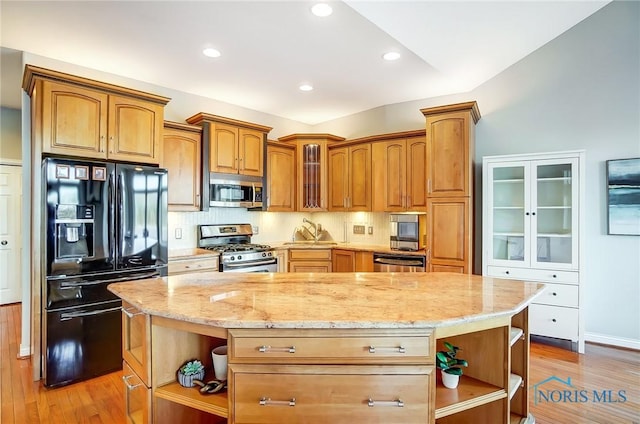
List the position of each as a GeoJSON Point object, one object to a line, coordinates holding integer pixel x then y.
{"type": "Point", "coordinates": [192, 265]}
{"type": "Point", "coordinates": [331, 394]}
{"type": "Point", "coordinates": [330, 346]}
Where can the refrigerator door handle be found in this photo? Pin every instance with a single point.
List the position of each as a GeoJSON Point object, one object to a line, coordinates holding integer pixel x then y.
{"type": "Point", "coordinates": [111, 226]}
{"type": "Point", "coordinates": [114, 280]}
{"type": "Point", "coordinates": [71, 315]}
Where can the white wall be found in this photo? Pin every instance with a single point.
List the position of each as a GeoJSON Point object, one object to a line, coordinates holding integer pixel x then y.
{"type": "Point", "coordinates": [10, 136]}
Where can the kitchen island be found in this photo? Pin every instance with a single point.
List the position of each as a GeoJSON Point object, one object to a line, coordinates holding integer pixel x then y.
{"type": "Point", "coordinates": [335, 347]}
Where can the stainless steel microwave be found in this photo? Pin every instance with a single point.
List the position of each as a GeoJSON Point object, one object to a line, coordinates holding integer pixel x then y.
{"type": "Point", "coordinates": [235, 193]}
{"type": "Point", "coordinates": [408, 231]}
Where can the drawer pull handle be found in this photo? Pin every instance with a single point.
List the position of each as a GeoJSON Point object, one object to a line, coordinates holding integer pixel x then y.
{"type": "Point", "coordinates": [506, 272]}
{"type": "Point", "coordinates": [130, 314]}
{"type": "Point", "coordinates": [268, 402]}
{"type": "Point", "coordinates": [553, 319]}
{"type": "Point", "coordinates": [399, 349]}
{"type": "Point", "coordinates": [267, 349]}
{"type": "Point", "coordinates": [554, 294]}
{"type": "Point", "coordinates": [130, 387]}
{"type": "Point", "coordinates": [554, 276]}
{"type": "Point", "coordinates": [399, 403]}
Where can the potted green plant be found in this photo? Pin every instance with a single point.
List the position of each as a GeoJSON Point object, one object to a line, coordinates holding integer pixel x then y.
{"type": "Point", "coordinates": [189, 371]}
{"type": "Point", "coordinates": [450, 365]}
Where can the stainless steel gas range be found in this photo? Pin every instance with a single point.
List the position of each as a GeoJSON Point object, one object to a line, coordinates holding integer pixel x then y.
{"type": "Point", "coordinates": [237, 253]}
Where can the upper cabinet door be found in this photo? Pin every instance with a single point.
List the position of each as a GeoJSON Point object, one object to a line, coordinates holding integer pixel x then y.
{"type": "Point", "coordinates": [448, 166]}
{"type": "Point", "coordinates": [223, 148]}
{"type": "Point", "coordinates": [339, 179]}
{"type": "Point", "coordinates": [250, 152]}
{"type": "Point", "coordinates": [359, 173]}
{"type": "Point", "coordinates": [281, 178]}
{"type": "Point", "coordinates": [73, 120]}
{"type": "Point", "coordinates": [416, 174]}
{"type": "Point", "coordinates": [135, 130]}
{"type": "Point", "coordinates": [182, 156]}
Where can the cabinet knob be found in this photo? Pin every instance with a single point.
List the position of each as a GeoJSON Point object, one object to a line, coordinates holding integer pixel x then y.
{"type": "Point", "coordinates": [526, 213]}
{"type": "Point", "coordinates": [3, 242]}
{"type": "Point", "coordinates": [554, 276]}
{"type": "Point", "coordinates": [554, 294]}
{"type": "Point", "coordinates": [553, 319]}
{"type": "Point", "coordinates": [533, 213]}
{"type": "Point", "coordinates": [506, 272]}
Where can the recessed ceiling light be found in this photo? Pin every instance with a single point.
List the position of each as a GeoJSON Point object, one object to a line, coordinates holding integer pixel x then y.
{"type": "Point", "coordinates": [306, 87]}
{"type": "Point", "coordinates": [322, 10]}
{"type": "Point", "coordinates": [391, 56]}
{"type": "Point", "coordinates": [210, 52]}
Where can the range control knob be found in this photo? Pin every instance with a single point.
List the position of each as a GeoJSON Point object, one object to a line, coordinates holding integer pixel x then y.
{"type": "Point", "coordinates": [233, 258]}
{"type": "Point", "coordinates": [239, 257]}
{"type": "Point", "coordinates": [270, 253]}
{"type": "Point", "coordinates": [264, 254]}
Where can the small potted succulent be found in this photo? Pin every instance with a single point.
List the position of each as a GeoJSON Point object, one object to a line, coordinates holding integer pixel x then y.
{"type": "Point", "coordinates": [450, 365]}
{"type": "Point", "coordinates": [189, 371]}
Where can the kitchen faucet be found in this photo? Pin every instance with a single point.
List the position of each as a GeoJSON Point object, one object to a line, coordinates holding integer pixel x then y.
{"type": "Point", "coordinates": [315, 228]}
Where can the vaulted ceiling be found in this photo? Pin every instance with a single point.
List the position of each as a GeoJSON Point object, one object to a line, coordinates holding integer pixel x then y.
{"type": "Point", "coordinates": [269, 48]}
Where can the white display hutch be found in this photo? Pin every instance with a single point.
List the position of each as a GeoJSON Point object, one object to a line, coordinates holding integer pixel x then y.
{"type": "Point", "coordinates": [533, 230]}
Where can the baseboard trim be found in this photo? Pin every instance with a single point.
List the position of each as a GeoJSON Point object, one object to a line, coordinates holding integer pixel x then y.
{"type": "Point", "coordinates": [613, 341]}
{"type": "Point", "coordinates": [25, 351]}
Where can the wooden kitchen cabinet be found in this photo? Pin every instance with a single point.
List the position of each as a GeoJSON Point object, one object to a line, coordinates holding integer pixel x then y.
{"type": "Point", "coordinates": [182, 156]}
{"type": "Point", "coordinates": [309, 260]}
{"type": "Point", "coordinates": [345, 260]}
{"type": "Point", "coordinates": [350, 178]}
{"type": "Point", "coordinates": [398, 172]}
{"type": "Point", "coordinates": [235, 147]}
{"type": "Point", "coordinates": [381, 376]}
{"type": "Point", "coordinates": [84, 118]}
{"type": "Point", "coordinates": [449, 241]}
{"type": "Point", "coordinates": [312, 169]}
{"type": "Point", "coordinates": [450, 133]}
{"type": "Point", "coordinates": [281, 177]}
{"type": "Point", "coordinates": [450, 149]}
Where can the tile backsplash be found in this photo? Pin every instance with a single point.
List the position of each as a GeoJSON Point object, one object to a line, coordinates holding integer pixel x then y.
{"type": "Point", "coordinates": [279, 226]}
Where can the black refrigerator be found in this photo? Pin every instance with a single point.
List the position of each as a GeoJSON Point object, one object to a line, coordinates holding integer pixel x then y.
{"type": "Point", "coordinates": [105, 222]}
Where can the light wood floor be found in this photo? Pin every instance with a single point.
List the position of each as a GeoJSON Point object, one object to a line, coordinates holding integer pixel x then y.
{"type": "Point", "coordinates": [100, 400]}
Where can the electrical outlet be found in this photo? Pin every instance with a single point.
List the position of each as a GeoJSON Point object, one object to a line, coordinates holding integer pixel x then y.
{"type": "Point", "coordinates": [370, 230]}
{"type": "Point", "coordinates": [178, 233]}
{"type": "Point", "coordinates": [255, 229]}
{"type": "Point", "coordinates": [358, 229]}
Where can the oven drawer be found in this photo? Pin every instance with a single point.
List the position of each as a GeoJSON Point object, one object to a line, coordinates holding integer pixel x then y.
{"type": "Point", "coordinates": [331, 346]}
{"type": "Point", "coordinates": [184, 266]}
{"type": "Point", "coordinates": [331, 394]}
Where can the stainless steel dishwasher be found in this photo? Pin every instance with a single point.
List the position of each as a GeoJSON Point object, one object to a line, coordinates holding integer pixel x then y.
{"type": "Point", "coordinates": [389, 262]}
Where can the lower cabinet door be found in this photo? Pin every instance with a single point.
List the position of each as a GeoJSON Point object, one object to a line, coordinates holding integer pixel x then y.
{"type": "Point", "coordinates": [137, 397]}
{"type": "Point", "coordinates": [336, 394]}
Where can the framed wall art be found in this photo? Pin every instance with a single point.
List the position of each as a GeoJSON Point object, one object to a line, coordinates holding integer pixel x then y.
{"type": "Point", "coordinates": [623, 196]}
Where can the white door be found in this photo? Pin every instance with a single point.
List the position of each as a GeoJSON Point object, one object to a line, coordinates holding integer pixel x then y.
{"type": "Point", "coordinates": [10, 234]}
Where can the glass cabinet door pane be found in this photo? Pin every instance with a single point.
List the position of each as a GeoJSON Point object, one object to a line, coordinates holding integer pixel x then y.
{"type": "Point", "coordinates": [554, 214]}
{"type": "Point", "coordinates": [311, 176]}
{"type": "Point", "coordinates": [508, 205]}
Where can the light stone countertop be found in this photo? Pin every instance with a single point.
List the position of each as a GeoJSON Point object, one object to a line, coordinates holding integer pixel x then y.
{"type": "Point", "coordinates": [190, 253]}
{"type": "Point", "coordinates": [328, 300]}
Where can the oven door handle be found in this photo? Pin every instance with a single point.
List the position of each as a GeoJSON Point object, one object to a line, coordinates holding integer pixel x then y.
{"type": "Point", "coordinates": [71, 315]}
{"type": "Point", "coordinates": [66, 285]}
{"type": "Point", "coordinates": [401, 262]}
{"type": "Point", "coordinates": [248, 264]}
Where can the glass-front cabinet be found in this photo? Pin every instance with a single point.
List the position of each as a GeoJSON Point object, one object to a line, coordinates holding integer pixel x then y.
{"type": "Point", "coordinates": [532, 216]}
